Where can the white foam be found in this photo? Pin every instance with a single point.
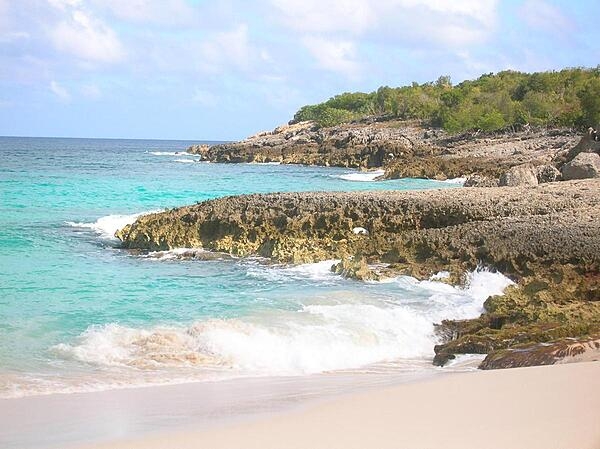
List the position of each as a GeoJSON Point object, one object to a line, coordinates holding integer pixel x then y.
{"type": "Point", "coordinates": [459, 181]}
{"type": "Point", "coordinates": [176, 253]}
{"type": "Point", "coordinates": [186, 161]}
{"type": "Point", "coordinates": [169, 153]}
{"type": "Point", "coordinates": [362, 176]}
{"type": "Point", "coordinates": [320, 271]}
{"type": "Point", "coordinates": [106, 226]}
{"type": "Point", "coordinates": [324, 335]}
{"type": "Point", "coordinates": [440, 275]}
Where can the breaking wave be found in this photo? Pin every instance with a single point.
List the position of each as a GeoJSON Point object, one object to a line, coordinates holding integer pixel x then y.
{"type": "Point", "coordinates": [318, 336]}
{"type": "Point", "coordinates": [106, 226]}
{"type": "Point", "coordinates": [363, 176]}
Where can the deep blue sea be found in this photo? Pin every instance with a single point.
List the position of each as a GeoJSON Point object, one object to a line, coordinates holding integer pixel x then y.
{"type": "Point", "coordinates": [77, 313]}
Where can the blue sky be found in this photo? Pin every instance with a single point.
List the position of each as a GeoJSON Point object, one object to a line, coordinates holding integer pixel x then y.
{"type": "Point", "coordinates": [199, 69]}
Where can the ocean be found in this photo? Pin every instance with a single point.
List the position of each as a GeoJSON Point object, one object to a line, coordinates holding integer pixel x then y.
{"type": "Point", "coordinates": [77, 313]}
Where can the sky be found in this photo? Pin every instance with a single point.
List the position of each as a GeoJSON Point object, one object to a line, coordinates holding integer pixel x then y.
{"type": "Point", "coordinates": [226, 69]}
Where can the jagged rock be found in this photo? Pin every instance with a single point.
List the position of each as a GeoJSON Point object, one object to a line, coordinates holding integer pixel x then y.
{"type": "Point", "coordinates": [201, 150]}
{"type": "Point", "coordinates": [520, 175]}
{"type": "Point", "coordinates": [402, 148]}
{"type": "Point", "coordinates": [352, 145]}
{"type": "Point", "coordinates": [587, 144]}
{"type": "Point", "coordinates": [546, 237]}
{"type": "Point", "coordinates": [563, 351]}
{"type": "Point", "coordinates": [547, 173]}
{"type": "Point", "coordinates": [442, 358]}
{"type": "Point", "coordinates": [583, 166]}
{"type": "Point", "coordinates": [477, 180]}
{"type": "Point", "coordinates": [355, 268]}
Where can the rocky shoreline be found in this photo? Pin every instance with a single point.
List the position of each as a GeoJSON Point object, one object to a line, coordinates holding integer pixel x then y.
{"type": "Point", "coordinates": [545, 237]}
{"type": "Point", "coordinates": [543, 234]}
{"type": "Point", "coordinates": [408, 149]}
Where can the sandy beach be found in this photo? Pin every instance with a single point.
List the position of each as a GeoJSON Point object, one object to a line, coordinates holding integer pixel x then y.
{"type": "Point", "coordinates": [541, 407]}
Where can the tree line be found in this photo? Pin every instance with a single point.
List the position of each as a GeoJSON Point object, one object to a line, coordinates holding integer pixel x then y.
{"type": "Point", "coordinates": [570, 97]}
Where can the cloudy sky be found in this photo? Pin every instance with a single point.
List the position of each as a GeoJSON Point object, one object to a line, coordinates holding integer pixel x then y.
{"type": "Point", "coordinates": [224, 69]}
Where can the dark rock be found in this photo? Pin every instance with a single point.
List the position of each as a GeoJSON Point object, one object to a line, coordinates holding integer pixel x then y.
{"type": "Point", "coordinates": [563, 351]}
{"type": "Point", "coordinates": [587, 144]}
{"type": "Point", "coordinates": [546, 237]}
{"type": "Point", "coordinates": [547, 173]}
{"type": "Point", "coordinates": [442, 358]}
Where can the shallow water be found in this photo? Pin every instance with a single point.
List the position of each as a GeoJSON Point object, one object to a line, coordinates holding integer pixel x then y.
{"type": "Point", "coordinates": [78, 314]}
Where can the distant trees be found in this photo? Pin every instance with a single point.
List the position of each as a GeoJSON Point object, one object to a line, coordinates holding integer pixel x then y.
{"type": "Point", "coordinates": [570, 97]}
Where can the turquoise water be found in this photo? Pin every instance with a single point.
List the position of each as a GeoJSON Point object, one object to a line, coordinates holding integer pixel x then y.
{"type": "Point", "coordinates": [78, 313]}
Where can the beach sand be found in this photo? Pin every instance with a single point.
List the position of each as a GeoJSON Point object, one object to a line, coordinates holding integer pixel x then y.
{"type": "Point", "coordinates": [551, 407]}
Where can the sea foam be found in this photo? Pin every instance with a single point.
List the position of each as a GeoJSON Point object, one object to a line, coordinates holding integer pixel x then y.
{"type": "Point", "coordinates": [319, 336]}
{"type": "Point", "coordinates": [106, 226]}
{"type": "Point", "coordinates": [169, 153]}
{"type": "Point", "coordinates": [458, 181]}
{"type": "Point", "coordinates": [186, 161]}
{"type": "Point", "coordinates": [362, 176]}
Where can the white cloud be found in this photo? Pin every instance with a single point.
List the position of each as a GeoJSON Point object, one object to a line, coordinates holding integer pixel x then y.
{"type": "Point", "coordinates": [13, 36]}
{"type": "Point", "coordinates": [82, 35]}
{"type": "Point", "coordinates": [540, 14]}
{"type": "Point", "coordinates": [58, 90]}
{"type": "Point", "coordinates": [161, 12]}
{"type": "Point", "coordinates": [91, 91]}
{"type": "Point", "coordinates": [333, 55]}
{"type": "Point", "coordinates": [446, 23]}
{"type": "Point", "coordinates": [325, 16]}
{"type": "Point", "coordinates": [227, 48]}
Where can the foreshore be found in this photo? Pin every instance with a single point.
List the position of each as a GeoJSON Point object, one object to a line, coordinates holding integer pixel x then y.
{"type": "Point", "coordinates": [537, 407]}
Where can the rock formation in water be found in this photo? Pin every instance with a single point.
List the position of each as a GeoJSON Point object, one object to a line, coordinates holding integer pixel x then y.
{"type": "Point", "coordinates": [546, 237]}
{"type": "Point", "coordinates": [404, 149]}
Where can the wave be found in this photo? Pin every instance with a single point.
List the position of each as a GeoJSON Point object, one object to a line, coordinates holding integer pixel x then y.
{"type": "Point", "coordinates": [362, 176]}
{"type": "Point", "coordinates": [186, 161]}
{"type": "Point", "coordinates": [169, 153]}
{"type": "Point", "coordinates": [106, 226]}
{"type": "Point", "coordinates": [325, 335]}
{"type": "Point", "coordinates": [319, 271]}
{"type": "Point", "coordinates": [459, 181]}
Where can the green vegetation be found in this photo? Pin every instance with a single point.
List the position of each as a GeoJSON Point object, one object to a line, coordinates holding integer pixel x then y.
{"type": "Point", "coordinates": [492, 102]}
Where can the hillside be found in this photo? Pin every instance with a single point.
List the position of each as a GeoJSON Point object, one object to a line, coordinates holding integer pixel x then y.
{"type": "Point", "coordinates": [568, 98]}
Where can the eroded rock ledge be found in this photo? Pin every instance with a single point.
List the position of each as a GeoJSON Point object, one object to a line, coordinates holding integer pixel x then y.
{"type": "Point", "coordinates": [404, 149]}
{"type": "Point", "coordinates": [547, 238]}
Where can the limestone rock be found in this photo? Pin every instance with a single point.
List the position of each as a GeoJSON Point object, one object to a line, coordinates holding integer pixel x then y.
{"type": "Point", "coordinates": [583, 166]}
{"type": "Point", "coordinates": [355, 268]}
{"type": "Point", "coordinates": [563, 351]}
{"type": "Point", "coordinates": [546, 238]}
{"type": "Point", "coordinates": [519, 175]}
{"type": "Point", "coordinates": [477, 180]}
{"type": "Point", "coordinates": [547, 173]}
{"type": "Point", "coordinates": [587, 144]}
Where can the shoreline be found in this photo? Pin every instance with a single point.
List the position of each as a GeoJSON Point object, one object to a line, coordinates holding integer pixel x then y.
{"type": "Point", "coordinates": [535, 407]}
{"type": "Point", "coordinates": [543, 237]}
{"type": "Point", "coordinates": [75, 419]}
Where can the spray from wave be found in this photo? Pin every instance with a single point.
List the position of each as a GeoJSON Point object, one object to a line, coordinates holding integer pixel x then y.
{"type": "Point", "coordinates": [319, 336]}
{"type": "Point", "coordinates": [169, 153]}
{"type": "Point", "coordinates": [106, 226]}
{"type": "Point", "coordinates": [363, 176]}
{"type": "Point", "coordinates": [456, 181]}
